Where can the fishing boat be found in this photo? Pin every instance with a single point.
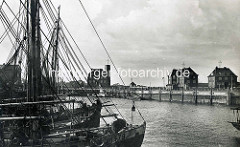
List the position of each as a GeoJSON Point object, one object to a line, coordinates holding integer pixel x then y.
{"type": "Point", "coordinates": [43, 117]}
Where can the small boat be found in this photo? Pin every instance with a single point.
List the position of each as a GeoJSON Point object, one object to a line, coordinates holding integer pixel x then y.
{"type": "Point", "coordinates": [121, 135]}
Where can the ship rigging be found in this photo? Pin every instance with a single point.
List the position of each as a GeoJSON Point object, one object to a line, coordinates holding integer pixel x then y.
{"type": "Point", "coordinates": [35, 112]}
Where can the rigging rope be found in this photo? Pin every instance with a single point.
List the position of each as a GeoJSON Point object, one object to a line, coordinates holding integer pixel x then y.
{"type": "Point", "coordinates": [95, 30]}
{"type": "Point", "coordinates": [79, 60]}
{"type": "Point", "coordinates": [85, 59]}
{"type": "Point", "coordinates": [104, 47]}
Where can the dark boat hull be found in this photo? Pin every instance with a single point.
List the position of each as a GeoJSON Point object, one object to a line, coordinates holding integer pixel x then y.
{"type": "Point", "coordinates": [132, 142]}
{"type": "Point", "coordinates": [128, 137]}
{"type": "Point", "coordinates": [235, 125]}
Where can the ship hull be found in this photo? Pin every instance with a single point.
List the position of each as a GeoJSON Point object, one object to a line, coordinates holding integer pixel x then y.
{"type": "Point", "coordinates": [128, 137]}
{"type": "Point", "coordinates": [236, 125]}
{"type": "Point", "coordinates": [132, 142]}
{"type": "Point", "coordinates": [132, 137]}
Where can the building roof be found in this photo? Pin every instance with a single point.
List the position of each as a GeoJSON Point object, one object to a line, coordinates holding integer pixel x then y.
{"type": "Point", "coordinates": [190, 69]}
{"type": "Point", "coordinates": [133, 84]}
{"type": "Point", "coordinates": [183, 69]}
{"type": "Point", "coordinates": [219, 70]}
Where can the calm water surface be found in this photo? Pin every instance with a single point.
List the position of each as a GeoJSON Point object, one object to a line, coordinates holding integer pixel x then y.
{"type": "Point", "coordinates": [173, 124]}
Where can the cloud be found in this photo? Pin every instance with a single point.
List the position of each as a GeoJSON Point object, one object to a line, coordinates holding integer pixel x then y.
{"type": "Point", "coordinates": [145, 34]}
{"type": "Point", "coordinates": [198, 33]}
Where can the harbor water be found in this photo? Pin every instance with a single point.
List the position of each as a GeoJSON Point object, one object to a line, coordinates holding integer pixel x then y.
{"type": "Point", "coordinates": [176, 124]}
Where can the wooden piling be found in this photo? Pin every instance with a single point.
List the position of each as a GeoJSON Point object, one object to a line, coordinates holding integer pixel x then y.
{"type": "Point", "coordinates": [229, 98]}
{"type": "Point", "coordinates": [170, 96]}
{"type": "Point", "coordinates": [182, 95]}
{"type": "Point", "coordinates": [150, 92]}
{"type": "Point", "coordinates": [196, 97]}
{"type": "Point", "coordinates": [160, 97]}
{"type": "Point", "coordinates": [211, 96]}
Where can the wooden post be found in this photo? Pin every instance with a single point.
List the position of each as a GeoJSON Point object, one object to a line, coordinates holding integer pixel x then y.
{"type": "Point", "coordinates": [150, 92]}
{"type": "Point", "coordinates": [170, 95]}
{"type": "Point", "coordinates": [1, 130]}
{"type": "Point", "coordinates": [130, 92]}
{"type": "Point", "coordinates": [160, 94]}
{"type": "Point", "coordinates": [120, 92]}
{"type": "Point", "coordinates": [229, 98]}
{"type": "Point", "coordinates": [126, 92]}
{"type": "Point", "coordinates": [71, 127]}
{"type": "Point", "coordinates": [196, 96]}
{"type": "Point", "coordinates": [182, 95]}
{"type": "Point", "coordinates": [211, 97]}
{"type": "Point", "coordinates": [112, 92]}
{"type": "Point", "coordinates": [117, 92]}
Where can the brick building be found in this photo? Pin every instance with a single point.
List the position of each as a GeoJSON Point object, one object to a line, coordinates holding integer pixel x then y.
{"type": "Point", "coordinates": [99, 77]}
{"type": "Point", "coordinates": [222, 78]}
{"type": "Point", "coordinates": [173, 80]}
{"type": "Point", "coordinates": [183, 78]}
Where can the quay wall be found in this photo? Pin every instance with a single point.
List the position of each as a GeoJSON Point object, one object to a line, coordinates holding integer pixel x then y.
{"type": "Point", "coordinates": [195, 96]}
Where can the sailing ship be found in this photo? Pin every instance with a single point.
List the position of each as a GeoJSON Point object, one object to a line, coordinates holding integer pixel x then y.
{"type": "Point", "coordinates": [42, 116]}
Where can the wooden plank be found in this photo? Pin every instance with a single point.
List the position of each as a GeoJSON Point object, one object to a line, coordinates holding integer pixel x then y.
{"type": "Point", "coordinates": [39, 102]}
{"type": "Point", "coordinates": [109, 115]}
{"type": "Point", "coordinates": [108, 105]}
{"type": "Point", "coordinates": [20, 118]}
{"type": "Point", "coordinates": [70, 131]}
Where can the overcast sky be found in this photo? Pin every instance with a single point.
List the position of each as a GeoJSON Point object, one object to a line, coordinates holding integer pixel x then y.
{"type": "Point", "coordinates": [150, 34]}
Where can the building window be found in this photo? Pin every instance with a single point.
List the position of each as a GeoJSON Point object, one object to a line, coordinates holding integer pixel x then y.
{"type": "Point", "coordinates": [226, 78]}
{"type": "Point", "coordinates": [220, 78]}
{"type": "Point", "coordinates": [194, 81]}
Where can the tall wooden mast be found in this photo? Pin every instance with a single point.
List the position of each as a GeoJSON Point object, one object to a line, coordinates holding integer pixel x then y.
{"type": "Point", "coordinates": [34, 71]}
{"type": "Point", "coordinates": [55, 63]}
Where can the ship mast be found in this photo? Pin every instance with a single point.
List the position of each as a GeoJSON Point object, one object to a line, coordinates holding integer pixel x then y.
{"type": "Point", "coordinates": [34, 72]}
{"type": "Point", "coordinates": [55, 54]}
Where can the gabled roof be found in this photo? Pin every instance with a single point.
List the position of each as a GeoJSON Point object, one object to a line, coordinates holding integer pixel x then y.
{"type": "Point", "coordinates": [133, 84]}
{"type": "Point", "coordinates": [190, 69]}
{"type": "Point", "coordinates": [183, 69]}
{"type": "Point", "coordinates": [224, 69]}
